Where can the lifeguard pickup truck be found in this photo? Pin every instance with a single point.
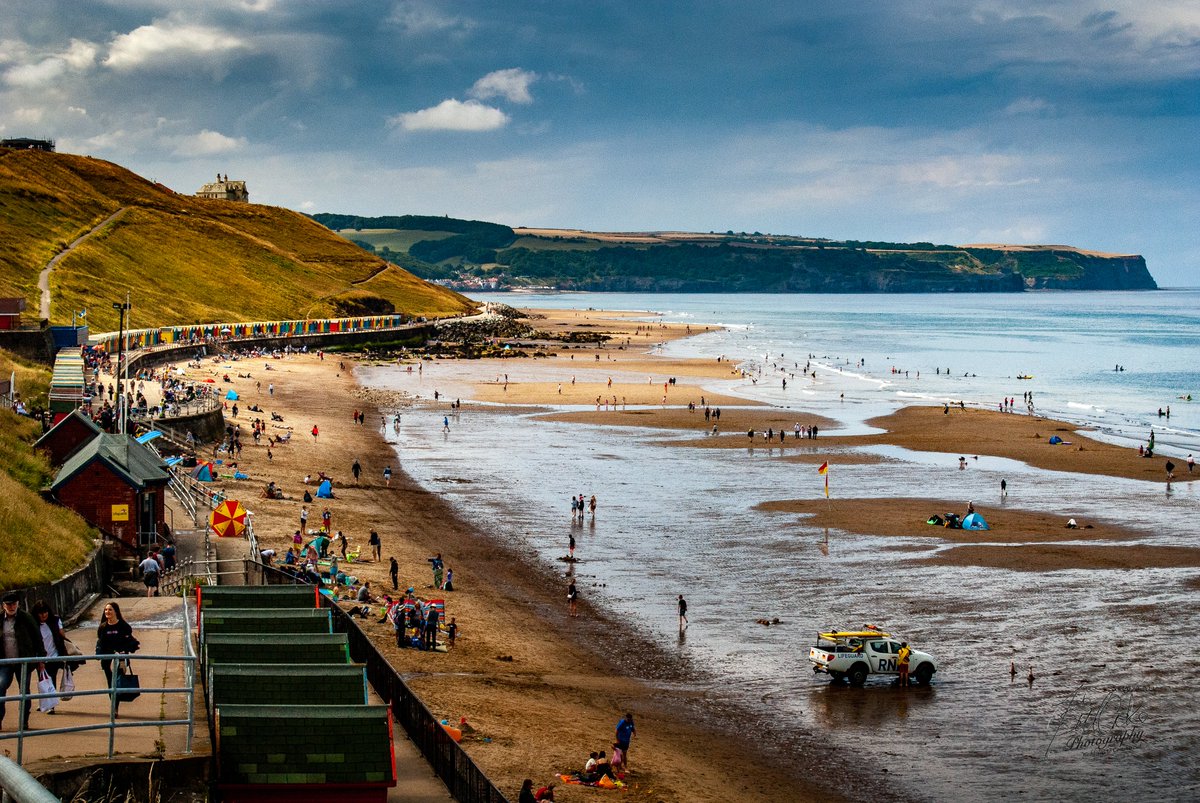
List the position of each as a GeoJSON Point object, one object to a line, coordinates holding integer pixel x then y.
{"type": "Point", "coordinates": [853, 655]}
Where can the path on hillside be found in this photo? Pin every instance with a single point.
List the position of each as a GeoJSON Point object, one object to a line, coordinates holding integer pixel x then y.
{"type": "Point", "coordinates": [44, 276]}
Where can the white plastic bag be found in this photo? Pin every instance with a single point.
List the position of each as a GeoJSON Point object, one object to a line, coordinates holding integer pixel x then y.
{"type": "Point", "coordinates": [46, 686]}
{"type": "Point", "coordinates": [68, 685]}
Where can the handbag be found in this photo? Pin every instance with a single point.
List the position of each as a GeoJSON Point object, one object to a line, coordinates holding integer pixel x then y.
{"type": "Point", "coordinates": [68, 685]}
{"type": "Point", "coordinates": [46, 686]}
{"type": "Point", "coordinates": [72, 651]}
{"type": "Point", "coordinates": [129, 688]}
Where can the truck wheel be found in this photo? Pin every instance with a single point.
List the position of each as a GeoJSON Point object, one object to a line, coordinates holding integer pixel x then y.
{"type": "Point", "coordinates": [857, 674]}
{"type": "Point", "coordinates": [836, 677]}
{"type": "Point", "coordinates": [923, 675]}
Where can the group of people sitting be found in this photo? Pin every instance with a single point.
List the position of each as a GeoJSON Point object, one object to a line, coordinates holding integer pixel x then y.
{"type": "Point", "coordinates": [600, 765]}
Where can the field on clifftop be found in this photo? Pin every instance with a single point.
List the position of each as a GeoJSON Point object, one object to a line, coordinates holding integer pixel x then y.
{"type": "Point", "coordinates": [182, 259]}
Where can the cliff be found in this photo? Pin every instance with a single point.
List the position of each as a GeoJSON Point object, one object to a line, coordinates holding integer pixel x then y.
{"type": "Point", "coordinates": [484, 255]}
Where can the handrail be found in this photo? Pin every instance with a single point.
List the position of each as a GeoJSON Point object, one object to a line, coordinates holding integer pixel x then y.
{"type": "Point", "coordinates": [20, 786]}
{"type": "Point", "coordinates": [23, 731]}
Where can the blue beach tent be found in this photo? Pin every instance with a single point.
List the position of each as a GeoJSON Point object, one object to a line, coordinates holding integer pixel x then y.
{"type": "Point", "coordinates": [325, 490]}
{"type": "Point", "coordinates": [231, 395]}
{"type": "Point", "coordinates": [1054, 439]}
{"type": "Point", "coordinates": [974, 521]}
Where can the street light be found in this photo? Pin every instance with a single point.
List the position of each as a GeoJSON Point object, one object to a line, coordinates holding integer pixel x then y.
{"type": "Point", "coordinates": [120, 307]}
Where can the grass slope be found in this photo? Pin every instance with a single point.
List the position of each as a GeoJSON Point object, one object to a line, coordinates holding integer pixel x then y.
{"type": "Point", "coordinates": [183, 259]}
{"type": "Point", "coordinates": [40, 541]}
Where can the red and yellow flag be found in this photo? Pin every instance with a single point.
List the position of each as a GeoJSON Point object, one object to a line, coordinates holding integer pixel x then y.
{"type": "Point", "coordinates": [824, 469]}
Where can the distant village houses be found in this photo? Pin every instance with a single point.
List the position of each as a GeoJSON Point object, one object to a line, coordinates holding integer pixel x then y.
{"type": "Point", "coordinates": [225, 190]}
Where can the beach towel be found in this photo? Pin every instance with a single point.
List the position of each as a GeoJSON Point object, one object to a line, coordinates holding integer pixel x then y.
{"type": "Point", "coordinates": [935, 520]}
{"type": "Point", "coordinates": [604, 783]}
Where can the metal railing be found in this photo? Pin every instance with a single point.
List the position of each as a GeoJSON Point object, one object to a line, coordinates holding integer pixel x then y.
{"type": "Point", "coordinates": [25, 691]}
{"type": "Point", "coordinates": [21, 787]}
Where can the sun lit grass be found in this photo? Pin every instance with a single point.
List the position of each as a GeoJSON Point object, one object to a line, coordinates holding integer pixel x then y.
{"type": "Point", "coordinates": [39, 540]}
{"type": "Point", "coordinates": [182, 259]}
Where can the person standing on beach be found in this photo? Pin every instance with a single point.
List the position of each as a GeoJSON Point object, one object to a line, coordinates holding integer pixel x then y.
{"type": "Point", "coordinates": [387, 476]}
{"type": "Point", "coordinates": [572, 598]}
{"type": "Point", "coordinates": [1191, 463]}
{"type": "Point", "coordinates": [394, 571]}
{"type": "Point", "coordinates": [376, 546]}
{"type": "Point", "coordinates": [592, 506]}
{"type": "Point", "coordinates": [625, 734]}
{"type": "Point", "coordinates": [315, 433]}
{"type": "Point", "coordinates": [1003, 489]}
{"type": "Point", "coordinates": [435, 563]}
{"type": "Point", "coordinates": [683, 620]}
{"type": "Point", "coordinates": [574, 509]}
{"type": "Point", "coordinates": [356, 469]}
{"type": "Point", "coordinates": [902, 664]}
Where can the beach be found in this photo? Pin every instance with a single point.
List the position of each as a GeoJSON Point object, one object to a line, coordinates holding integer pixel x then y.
{"type": "Point", "coordinates": [542, 689]}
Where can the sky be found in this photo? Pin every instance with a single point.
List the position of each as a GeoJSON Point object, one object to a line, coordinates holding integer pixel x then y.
{"type": "Point", "coordinates": [950, 121]}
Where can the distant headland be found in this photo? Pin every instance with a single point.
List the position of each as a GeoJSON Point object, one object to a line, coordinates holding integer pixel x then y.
{"type": "Point", "coordinates": [476, 255]}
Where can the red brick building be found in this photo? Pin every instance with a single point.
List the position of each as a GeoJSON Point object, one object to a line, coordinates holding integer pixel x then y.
{"type": "Point", "coordinates": [10, 312]}
{"type": "Point", "coordinates": [118, 486]}
{"type": "Point", "coordinates": [65, 438]}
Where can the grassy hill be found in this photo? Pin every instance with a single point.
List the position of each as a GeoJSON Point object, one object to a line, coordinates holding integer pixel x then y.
{"type": "Point", "coordinates": [40, 541]}
{"type": "Point", "coordinates": [182, 259]}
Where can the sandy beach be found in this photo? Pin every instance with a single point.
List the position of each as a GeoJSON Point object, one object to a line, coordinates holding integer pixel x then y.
{"type": "Point", "coordinates": [542, 689]}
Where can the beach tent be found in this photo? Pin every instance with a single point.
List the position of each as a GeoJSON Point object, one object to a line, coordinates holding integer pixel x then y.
{"type": "Point", "coordinates": [974, 521]}
{"type": "Point", "coordinates": [203, 472]}
{"type": "Point", "coordinates": [231, 395]}
{"type": "Point", "coordinates": [1054, 439]}
{"type": "Point", "coordinates": [325, 490]}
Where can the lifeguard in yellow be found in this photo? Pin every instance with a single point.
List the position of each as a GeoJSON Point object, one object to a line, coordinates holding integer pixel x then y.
{"type": "Point", "coordinates": [902, 664]}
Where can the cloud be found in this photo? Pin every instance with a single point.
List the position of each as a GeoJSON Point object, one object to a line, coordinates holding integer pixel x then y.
{"type": "Point", "coordinates": [452, 115]}
{"type": "Point", "coordinates": [79, 56]}
{"type": "Point", "coordinates": [420, 18]}
{"type": "Point", "coordinates": [159, 43]}
{"type": "Point", "coordinates": [1026, 106]}
{"type": "Point", "coordinates": [207, 143]}
{"type": "Point", "coordinates": [511, 84]}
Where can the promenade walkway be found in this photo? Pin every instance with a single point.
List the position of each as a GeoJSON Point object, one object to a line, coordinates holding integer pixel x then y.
{"type": "Point", "coordinates": [158, 624]}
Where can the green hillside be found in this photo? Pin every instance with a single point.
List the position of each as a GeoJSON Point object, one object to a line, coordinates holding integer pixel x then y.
{"type": "Point", "coordinates": [63, 540]}
{"type": "Point", "coordinates": [182, 259]}
{"type": "Point", "coordinates": [478, 255]}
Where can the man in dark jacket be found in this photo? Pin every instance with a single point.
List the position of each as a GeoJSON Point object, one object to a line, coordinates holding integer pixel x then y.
{"type": "Point", "coordinates": [19, 638]}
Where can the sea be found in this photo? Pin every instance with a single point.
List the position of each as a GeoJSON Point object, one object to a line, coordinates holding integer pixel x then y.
{"type": "Point", "coordinates": [1113, 709]}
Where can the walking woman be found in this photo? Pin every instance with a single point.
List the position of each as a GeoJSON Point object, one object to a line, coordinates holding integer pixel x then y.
{"type": "Point", "coordinates": [50, 628]}
{"type": "Point", "coordinates": [114, 637]}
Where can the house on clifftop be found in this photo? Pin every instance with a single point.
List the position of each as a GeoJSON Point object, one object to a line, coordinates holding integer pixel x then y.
{"type": "Point", "coordinates": [225, 190]}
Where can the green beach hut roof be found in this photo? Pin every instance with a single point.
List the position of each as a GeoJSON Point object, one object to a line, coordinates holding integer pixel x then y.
{"type": "Point", "coordinates": [129, 459]}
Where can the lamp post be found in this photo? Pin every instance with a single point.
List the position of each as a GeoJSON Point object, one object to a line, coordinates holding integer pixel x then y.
{"type": "Point", "coordinates": [120, 307]}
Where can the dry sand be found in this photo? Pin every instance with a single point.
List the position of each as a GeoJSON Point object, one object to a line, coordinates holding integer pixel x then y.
{"type": "Point", "coordinates": [570, 680]}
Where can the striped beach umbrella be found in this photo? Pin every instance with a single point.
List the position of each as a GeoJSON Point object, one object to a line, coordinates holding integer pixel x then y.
{"type": "Point", "coordinates": [228, 519]}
